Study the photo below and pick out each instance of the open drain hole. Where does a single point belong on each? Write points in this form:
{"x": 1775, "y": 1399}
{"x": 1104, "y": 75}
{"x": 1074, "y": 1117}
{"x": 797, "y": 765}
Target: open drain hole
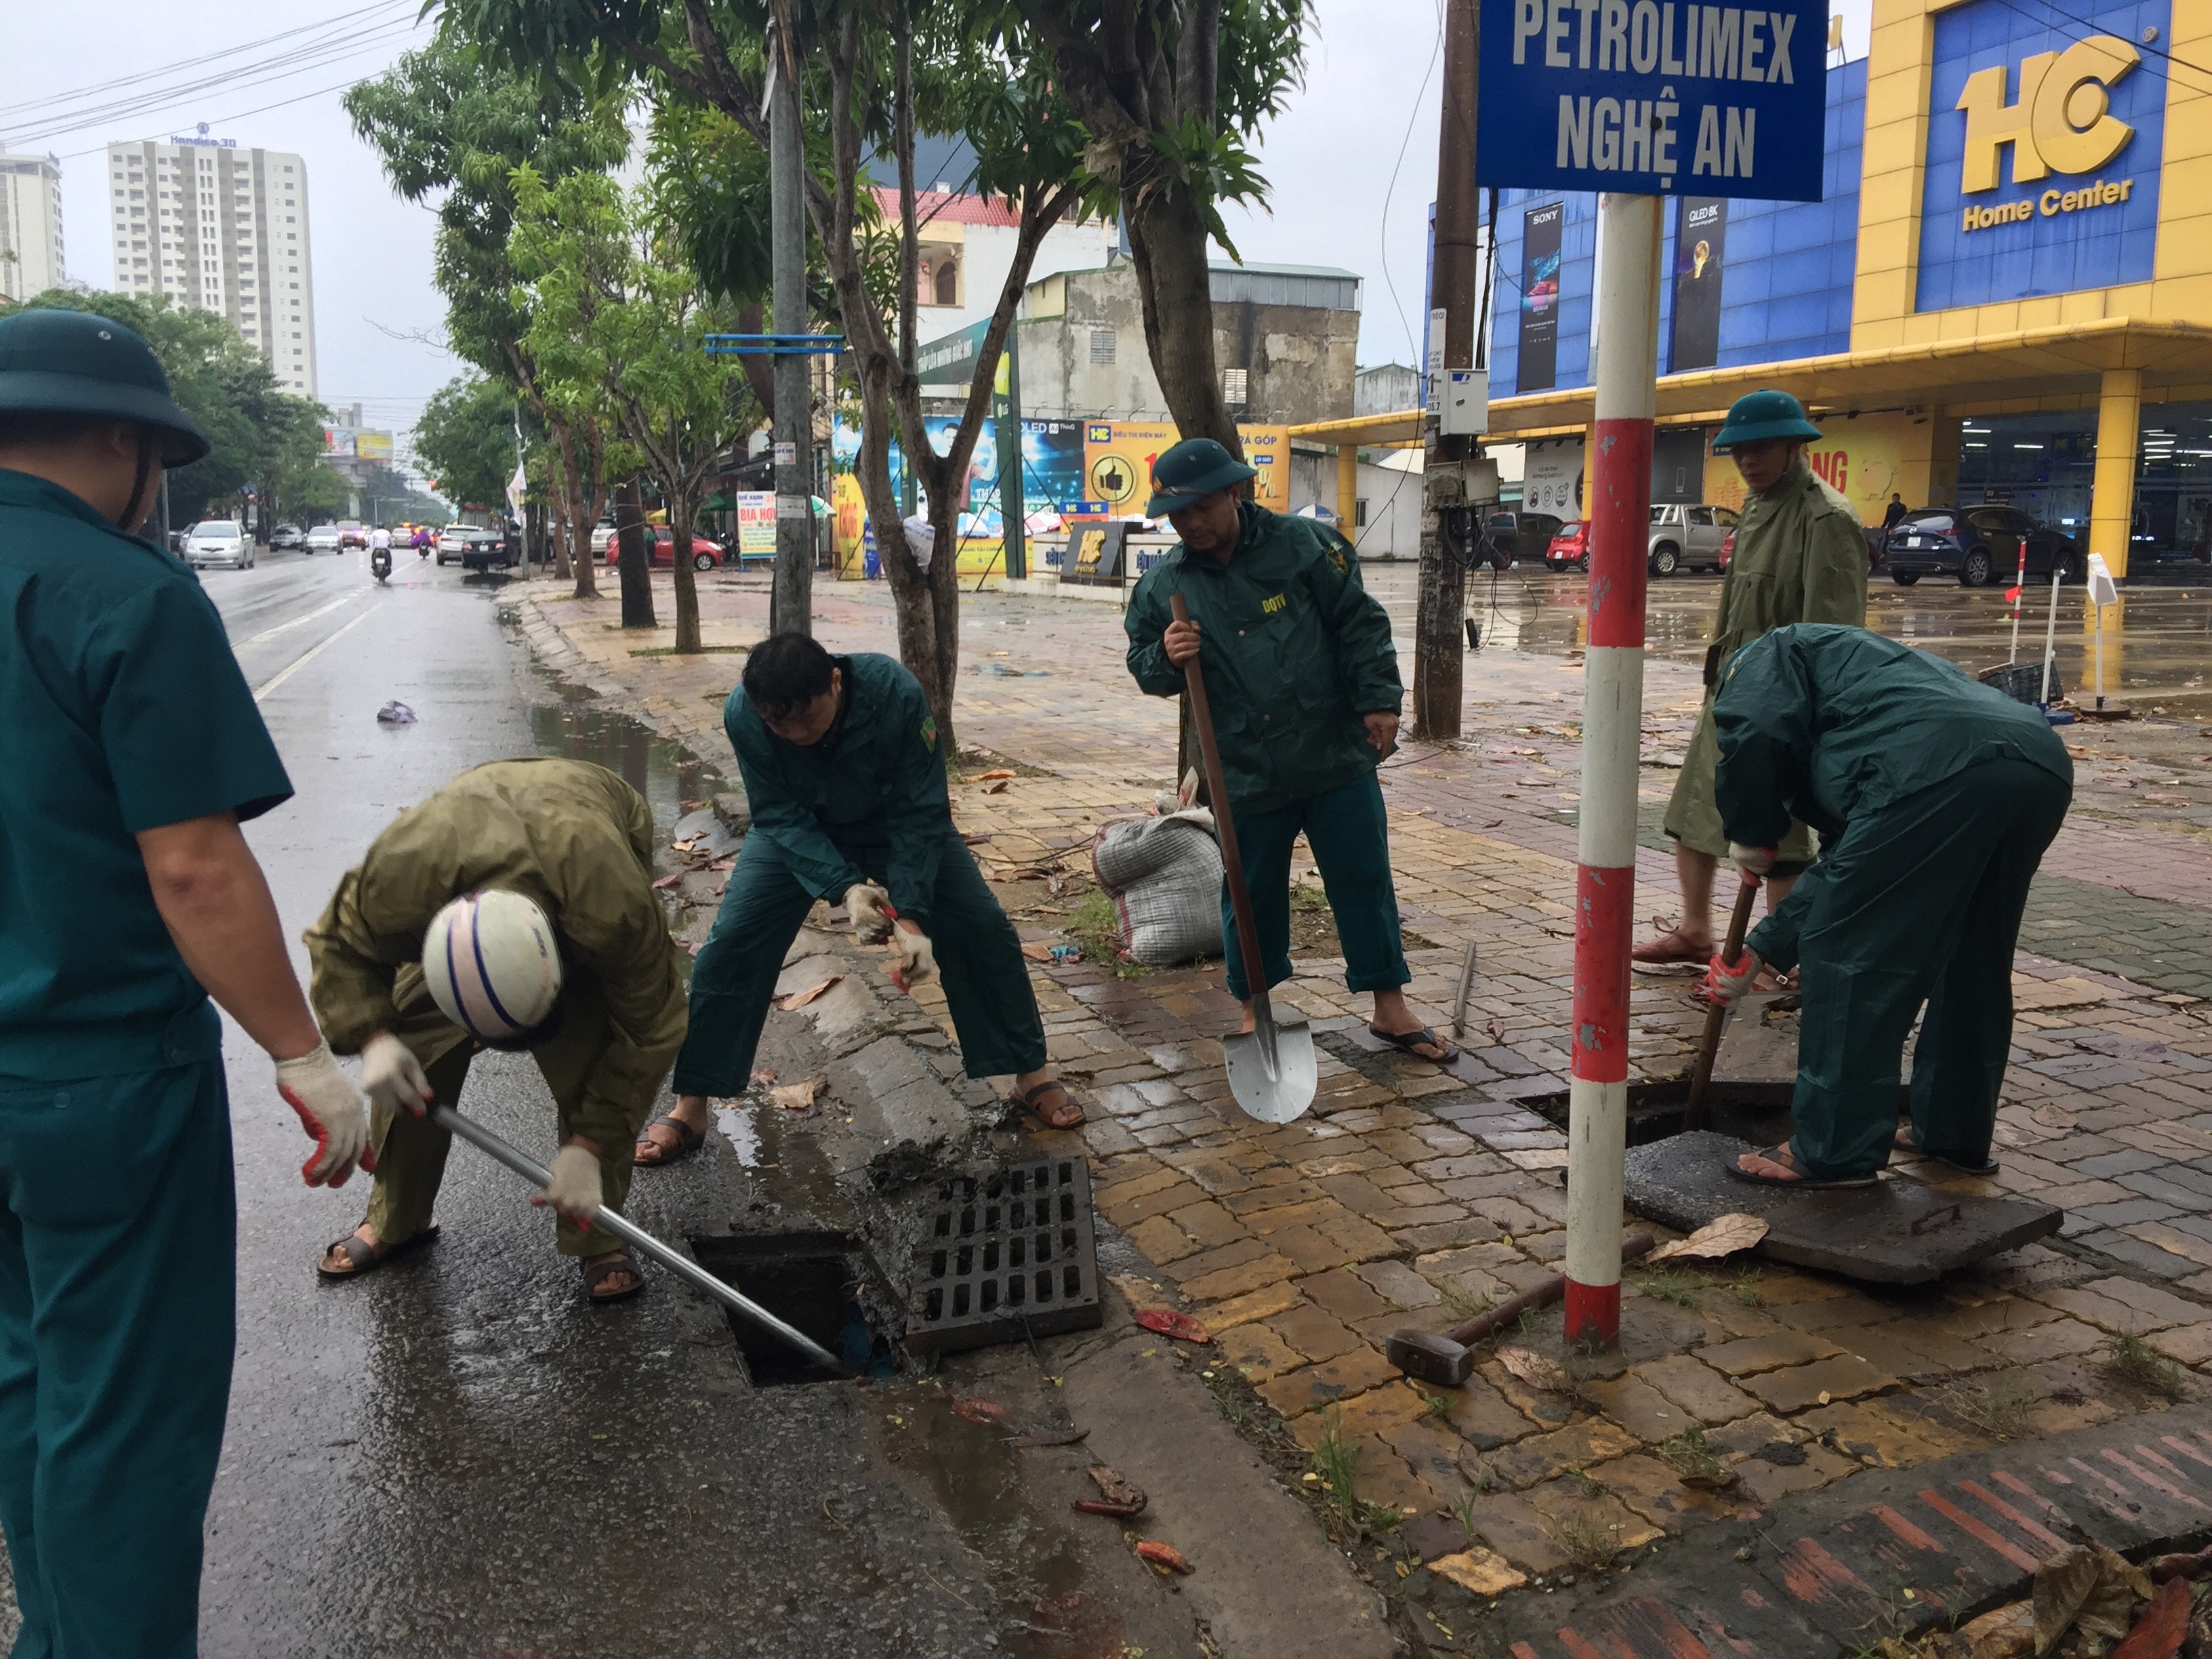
{"x": 811, "y": 1280}
{"x": 1757, "y": 1112}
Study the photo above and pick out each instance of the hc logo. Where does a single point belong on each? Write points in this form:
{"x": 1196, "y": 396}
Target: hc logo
{"x": 2062, "y": 121}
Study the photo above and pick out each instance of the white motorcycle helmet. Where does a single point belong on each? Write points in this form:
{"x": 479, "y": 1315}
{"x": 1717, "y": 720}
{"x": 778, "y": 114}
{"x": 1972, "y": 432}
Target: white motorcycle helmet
{"x": 494, "y": 965}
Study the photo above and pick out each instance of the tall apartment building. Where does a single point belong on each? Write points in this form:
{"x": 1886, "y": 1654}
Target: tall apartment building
{"x": 224, "y": 229}
{"x": 30, "y": 226}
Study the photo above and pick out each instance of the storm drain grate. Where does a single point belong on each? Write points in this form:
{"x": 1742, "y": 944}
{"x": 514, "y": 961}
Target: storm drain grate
{"x": 1003, "y": 1252}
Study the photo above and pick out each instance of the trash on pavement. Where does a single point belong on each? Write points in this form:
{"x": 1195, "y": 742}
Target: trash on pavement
{"x": 973, "y": 1408}
{"x": 1163, "y": 875}
{"x": 667, "y": 882}
{"x": 800, "y": 999}
{"x": 1121, "y": 1499}
{"x": 395, "y": 713}
{"x": 1723, "y": 1235}
{"x": 1067, "y": 953}
{"x": 797, "y": 1096}
{"x": 1168, "y": 1322}
{"x": 1166, "y": 1557}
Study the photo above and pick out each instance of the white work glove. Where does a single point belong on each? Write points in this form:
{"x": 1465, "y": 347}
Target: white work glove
{"x": 575, "y": 1189}
{"x": 391, "y": 1076}
{"x": 917, "y": 959}
{"x": 1725, "y": 981}
{"x": 331, "y": 1110}
{"x": 869, "y": 909}
{"x": 1752, "y": 861}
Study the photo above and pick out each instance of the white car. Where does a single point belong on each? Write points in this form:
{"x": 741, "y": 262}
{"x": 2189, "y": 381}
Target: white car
{"x": 601, "y": 535}
{"x": 322, "y": 539}
{"x": 452, "y": 542}
{"x": 219, "y": 540}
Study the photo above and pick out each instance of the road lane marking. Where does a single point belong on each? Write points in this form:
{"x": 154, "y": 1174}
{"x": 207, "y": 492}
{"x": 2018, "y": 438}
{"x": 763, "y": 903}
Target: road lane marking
{"x": 272, "y": 633}
{"x": 306, "y": 657}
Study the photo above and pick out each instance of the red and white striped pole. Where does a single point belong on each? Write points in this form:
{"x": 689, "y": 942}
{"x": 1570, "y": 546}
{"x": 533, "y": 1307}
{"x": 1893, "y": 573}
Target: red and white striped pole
{"x": 1620, "y": 512}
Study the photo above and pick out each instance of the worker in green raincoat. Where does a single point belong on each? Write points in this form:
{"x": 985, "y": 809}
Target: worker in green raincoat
{"x": 1935, "y": 797}
{"x": 1801, "y": 556}
{"x": 577, "y": 841}
{"x": 845, "y": 777}
{"x": 1302, "y": 680}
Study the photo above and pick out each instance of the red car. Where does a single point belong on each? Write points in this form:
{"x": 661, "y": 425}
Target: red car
{"x": 1570, "y": 548}
{"x": 705, "y": 554}
{"x": 1728, "y": 550}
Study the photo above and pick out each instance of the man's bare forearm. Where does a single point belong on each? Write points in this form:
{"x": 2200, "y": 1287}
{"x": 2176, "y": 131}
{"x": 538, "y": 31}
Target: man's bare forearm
{"x": 217, "y": 904}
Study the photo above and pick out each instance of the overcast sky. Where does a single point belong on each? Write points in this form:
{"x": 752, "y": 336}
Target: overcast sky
{"x": 1370, "y": 96}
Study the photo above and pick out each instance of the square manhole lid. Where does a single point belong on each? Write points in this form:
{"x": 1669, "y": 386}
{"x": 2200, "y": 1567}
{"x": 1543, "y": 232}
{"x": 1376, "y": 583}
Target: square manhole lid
{"x": 1003, "y": 1251}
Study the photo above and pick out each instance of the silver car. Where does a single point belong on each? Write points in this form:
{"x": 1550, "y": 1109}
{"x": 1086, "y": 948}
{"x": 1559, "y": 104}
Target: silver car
{"x": 1687, "y": 537}
{"x": 219, "y": 540}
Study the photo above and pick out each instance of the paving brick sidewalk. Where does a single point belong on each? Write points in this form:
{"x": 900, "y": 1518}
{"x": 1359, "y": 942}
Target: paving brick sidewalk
{"x": 1414, "y": 1195}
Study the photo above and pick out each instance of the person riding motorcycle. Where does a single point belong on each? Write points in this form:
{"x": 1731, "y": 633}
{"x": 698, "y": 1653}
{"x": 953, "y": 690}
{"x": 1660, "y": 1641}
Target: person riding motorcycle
{"x": 380, "y": 552}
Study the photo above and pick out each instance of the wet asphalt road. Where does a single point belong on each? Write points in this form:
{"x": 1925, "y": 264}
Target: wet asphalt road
{"x": 456, "y": 1455}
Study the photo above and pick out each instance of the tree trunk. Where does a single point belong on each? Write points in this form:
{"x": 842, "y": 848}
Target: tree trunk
{"x": 630, "y": 549}
{"x": 913, "y": 600}
{"x": 590, "y": 505}
{"x": 683, "y": 512}
{"x": 1167, "y": 240}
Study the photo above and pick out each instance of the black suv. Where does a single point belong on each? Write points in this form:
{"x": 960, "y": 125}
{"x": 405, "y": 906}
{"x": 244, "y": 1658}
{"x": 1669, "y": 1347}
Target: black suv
{"x": 1979, "y": 545}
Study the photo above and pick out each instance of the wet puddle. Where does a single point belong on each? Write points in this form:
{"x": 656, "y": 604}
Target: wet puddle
{"x": 571, "y": 721}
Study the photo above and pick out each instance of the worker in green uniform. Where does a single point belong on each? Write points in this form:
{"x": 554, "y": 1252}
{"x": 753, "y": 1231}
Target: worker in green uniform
{"x": 576, "y": 841}
{"x": 846, "y": 781}
{"x": 1800, "y": 557}
{"x": 130, "y": 751}
{"x": 1302, "y": 678}
{"x": 1935, "y": 797}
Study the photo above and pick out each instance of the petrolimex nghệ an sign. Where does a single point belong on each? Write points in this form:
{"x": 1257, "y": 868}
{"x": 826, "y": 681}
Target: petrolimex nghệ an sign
{"x": 2044, "y": 143}
{"x": 1654, "y": 97}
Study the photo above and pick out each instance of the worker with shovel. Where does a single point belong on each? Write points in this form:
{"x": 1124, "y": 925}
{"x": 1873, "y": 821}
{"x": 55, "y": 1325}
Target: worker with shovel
{"x": 564, "y": 849}
{"x": 846, "y": 780}
{"x": 1800, "y": 557}
{"x": 1935, "y": 797}
{"x": 1302, "y": 680}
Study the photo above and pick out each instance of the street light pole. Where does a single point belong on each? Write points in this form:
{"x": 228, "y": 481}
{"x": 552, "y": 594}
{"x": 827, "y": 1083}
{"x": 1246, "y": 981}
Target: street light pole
{"x": 791, "y": 603}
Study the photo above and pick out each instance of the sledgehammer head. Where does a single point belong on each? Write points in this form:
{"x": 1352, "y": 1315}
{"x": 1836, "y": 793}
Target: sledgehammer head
{"x": 1429, "y": 1357}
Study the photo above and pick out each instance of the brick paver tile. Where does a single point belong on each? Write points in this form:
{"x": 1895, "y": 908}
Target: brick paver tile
{"x": 1398, "y": 1284}
{"x": 1484, "y": 1418}
{"x": 1639, "y": 1407}
{"x": 1480, "y": 1571}
{"x": 1162, "y": 1241}
{"x": 1541, "y": 1457}
{"x": 1208, "y": 1225}
{"x": 2190, "y": 1344}
{"x": 1895, "y": 1435}
{"x": 2137, "y": 1314}
{"x": 1205, "y": 1262}
{"x": 1846, "y": 1376}
{"x": 1314, "y": 1332}
{"x": 1519, "y": 1531}
{"x": 1241, "y": 1280}
{"x": 2060, "y": 1337}
{"x": 1312, "y": 1386}
{"x": 1651, "y": 1489}
{"x": 1432, "y": 1451}
{"x": 1125, "y": 1208}
{"x": 1257, "y": 1351}
{"x": 1572, "y": 1501}
{"x": 1768, "y": 1481}
{"x": 1697, "y": 1388}
{"x": 1753, "y": 1355}
{"x": 1262, "y": 1303}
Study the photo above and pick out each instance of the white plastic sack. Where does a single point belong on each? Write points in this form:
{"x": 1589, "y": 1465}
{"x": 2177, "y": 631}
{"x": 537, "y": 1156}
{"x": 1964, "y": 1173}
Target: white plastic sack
{"x": 920, "y": 539}
{"x": 1163, "y": 875}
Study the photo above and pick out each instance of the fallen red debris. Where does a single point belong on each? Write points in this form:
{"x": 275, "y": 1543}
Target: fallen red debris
{"x": 1168, "y": 1322}
{"x": 976, "y": 1409}
{"x": 2159, "y": 1631}
{"x": 1167, "y": 1556}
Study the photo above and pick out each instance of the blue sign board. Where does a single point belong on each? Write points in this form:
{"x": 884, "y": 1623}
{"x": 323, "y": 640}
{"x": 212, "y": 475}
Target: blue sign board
{"x": 1653, "y": 97}
{"x": 2045, "y": 130}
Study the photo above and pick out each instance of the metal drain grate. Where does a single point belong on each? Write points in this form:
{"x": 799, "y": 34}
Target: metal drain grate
{"x": 1003, "y": 1252}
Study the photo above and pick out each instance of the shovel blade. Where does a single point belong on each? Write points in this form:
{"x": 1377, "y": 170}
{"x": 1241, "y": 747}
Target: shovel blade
{"x": 1277, "y": 1093}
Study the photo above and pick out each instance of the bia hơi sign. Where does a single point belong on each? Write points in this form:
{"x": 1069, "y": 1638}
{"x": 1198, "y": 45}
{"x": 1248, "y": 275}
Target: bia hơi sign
{"x": 2043, "y": 150}
{"x": 1653, "y": 96}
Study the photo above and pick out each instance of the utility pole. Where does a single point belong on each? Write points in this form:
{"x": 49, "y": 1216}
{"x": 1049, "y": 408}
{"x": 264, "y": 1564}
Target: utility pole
{"x": 790, "y": 604}
{"x": 1439, "y": 647}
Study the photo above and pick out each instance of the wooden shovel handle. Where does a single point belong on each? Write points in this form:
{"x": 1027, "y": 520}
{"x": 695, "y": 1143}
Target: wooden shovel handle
{"x": 1232, "y": 863}
{"x": 1695, "y": 1114}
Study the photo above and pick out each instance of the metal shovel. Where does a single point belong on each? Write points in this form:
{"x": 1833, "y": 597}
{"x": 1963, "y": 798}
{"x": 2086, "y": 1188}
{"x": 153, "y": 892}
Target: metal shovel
{"x": 635, "y": 1235}
{"x": 1272, "y": 1070}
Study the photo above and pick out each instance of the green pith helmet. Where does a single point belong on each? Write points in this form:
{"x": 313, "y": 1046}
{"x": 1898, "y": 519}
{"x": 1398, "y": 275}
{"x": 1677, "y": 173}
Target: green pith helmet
{"x": 71, "y": 362}
{"x": 1764, "y": 413}
{"x": 1190, "y": 471}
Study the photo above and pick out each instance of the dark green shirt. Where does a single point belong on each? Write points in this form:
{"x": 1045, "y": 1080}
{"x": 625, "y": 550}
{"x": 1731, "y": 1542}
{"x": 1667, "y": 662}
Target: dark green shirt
{"x": 121, "y": 709}
{"x": 1294, "y": 649}
{"x": 874, "y": 785}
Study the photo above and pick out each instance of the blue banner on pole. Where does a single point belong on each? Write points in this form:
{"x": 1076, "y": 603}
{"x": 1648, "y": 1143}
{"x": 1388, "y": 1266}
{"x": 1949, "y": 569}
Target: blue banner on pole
{"x": 1654, "y": 97}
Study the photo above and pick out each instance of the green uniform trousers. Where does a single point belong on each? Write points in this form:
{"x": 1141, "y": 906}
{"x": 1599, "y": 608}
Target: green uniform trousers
{"x": 118, "y": 1317}
{"x": 1920, "y": 902}
{"x": 987, "y": 979}
{"x": 1350, "y": 835}
{"x": 410, "y": 1151}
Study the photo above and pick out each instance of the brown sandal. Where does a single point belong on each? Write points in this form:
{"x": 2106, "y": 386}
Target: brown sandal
{"x": 366, "y": 1258}
{"x": 599, "y": 1269}
{"x": 1671, "y": 951}
{"x": 1065, "y": 1116}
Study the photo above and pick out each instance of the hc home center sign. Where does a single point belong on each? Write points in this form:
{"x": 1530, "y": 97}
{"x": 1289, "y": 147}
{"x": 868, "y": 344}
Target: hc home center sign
{"x": 1654, "y": 97}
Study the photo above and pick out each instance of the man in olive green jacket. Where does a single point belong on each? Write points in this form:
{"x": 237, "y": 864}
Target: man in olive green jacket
{"x": 1302, "y": 678}
{"x": 578, "y": 841}
{"x": 1800, "y": 557}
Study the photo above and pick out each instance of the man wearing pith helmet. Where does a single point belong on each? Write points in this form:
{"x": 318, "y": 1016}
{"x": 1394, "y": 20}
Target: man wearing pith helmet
{"x": 1800, "y": 557}
{"x": 513, "y": 909}
{"x": 130, "y": 752}
{"x": 1303, "y": 681}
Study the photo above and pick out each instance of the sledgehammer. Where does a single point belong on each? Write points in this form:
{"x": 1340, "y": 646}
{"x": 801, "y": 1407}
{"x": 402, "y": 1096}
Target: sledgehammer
{"x": 1447, "y": 1357}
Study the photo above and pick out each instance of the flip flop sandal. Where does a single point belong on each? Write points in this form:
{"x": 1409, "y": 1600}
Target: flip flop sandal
{"x": 1803, "y": 1183}
{"x": 688, "y": 1141}
{"x": 1907, "y": 1142}
{"x": 1668, "y": 953}
{"x": 1406, "y": 1041}
{"x": 366, "y": 1257}
{"x": 597, "y": 1271}
{"x": 1060, "y": 1118}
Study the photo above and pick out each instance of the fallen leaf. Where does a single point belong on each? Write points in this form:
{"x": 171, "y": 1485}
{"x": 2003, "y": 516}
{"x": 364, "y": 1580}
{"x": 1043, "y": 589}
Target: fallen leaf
{"x": 2007, "y": 1632}
{"x": 1546, "y": 1375}
{"x": 1722, "y": 1235}
{"x": 800, "y": 999}
{"x": 975, "y": 1409}
{"x": 684, "y": 846}
{"x": 1037, "y": 951}
{"x": 996, "y": 772}
{"x": 1168, "y": 1322}
{"x": 763, "y": 1074}
{"x": 1121, "y": 1496}
{"x": 998, "y": 788}
{"x": 723, "y": 864}
{"x": 2089, "y": 1588}
{"x": 667, "y": 882}
{"x": 797, "y": 1096}
{"x": 1166, "y": 1557}
{"x": 2159, "y": 1632}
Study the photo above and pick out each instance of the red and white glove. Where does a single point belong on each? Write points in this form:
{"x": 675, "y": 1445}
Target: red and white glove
{"x": 329, "y": 1108}
{"x": 575, "y": 1191}
{"x": 391, "y": 1076}
{"x": 1754, "y": 861}
{"x": 917, "y": 959}
{"x": 869, "y": 909}
{"x": 1725, "y": 981}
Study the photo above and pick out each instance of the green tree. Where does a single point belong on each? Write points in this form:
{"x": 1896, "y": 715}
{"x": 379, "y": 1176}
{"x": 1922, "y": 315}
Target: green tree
{"x": 319, "y": 496}
{"x": 465, "y": 438}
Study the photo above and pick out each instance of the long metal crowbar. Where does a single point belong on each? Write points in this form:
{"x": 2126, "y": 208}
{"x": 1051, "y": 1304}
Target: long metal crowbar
{"x": 633, "y": 1235}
